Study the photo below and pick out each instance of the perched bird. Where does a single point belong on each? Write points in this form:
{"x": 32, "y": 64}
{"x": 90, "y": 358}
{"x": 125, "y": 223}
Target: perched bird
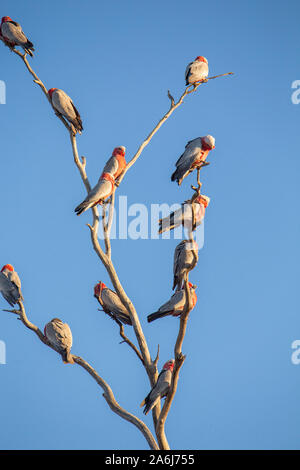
{"x": 63, "y": 104}
{"x": 117, "y": 163}
{"x": 196, "y": 71}
{"x": 185, "y": 259}
{"x": 186, "y": 215}
{"x": 111, "y": 303}
{"x": 175, "y": 306}
{"x": 13, "y": 35}
{"x": 10, "y": 285}
{"x": 160, "y": 389}
{"x": 103, "y": 189}
{"x": 193, "y": 157}
{"x": 60, "y": 336}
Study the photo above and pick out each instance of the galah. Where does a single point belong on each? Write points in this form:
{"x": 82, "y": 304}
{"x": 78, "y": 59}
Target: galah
{"x": 187, "y": 215}
{"x": 63, "y": 104}
{"x": 111, "y": 303}
{"x": 10, "y": 285}
{"x": 103, "y": 189}
{"x": 193, "y": 157}
{"x": 196, "y": 71}
{"x": 117, "y": 163}
{"x": 13, "y": 35}
{"x": 160, "y": 389}
{"x": 185, "y": 259}
{"x": 60, "y": 336}
{"x": 176, "y": 305}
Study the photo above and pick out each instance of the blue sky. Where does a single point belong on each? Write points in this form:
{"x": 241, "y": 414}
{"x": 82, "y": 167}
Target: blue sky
{"x": 238, "y": 387}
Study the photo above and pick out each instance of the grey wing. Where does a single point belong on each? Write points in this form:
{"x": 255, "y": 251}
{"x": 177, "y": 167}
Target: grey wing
{"x": 162, "y": 385}
{"x": 187, "y": 70}
{"x": 189, "y": 156}
{"x": 113, "y": 302}
{"x": 9, "y": 291}
{"x": 177, "y": 256}
{"x": 14, "y": 33}
{"x": 174, "y": 301}
{"x": 60, "y": 334}
{"x": 195, "y": 142}
{"x": 102, "y": 188}
{"x": 17, "y": 282}
{"x": 63, "y": 104}
{"x": 111, "y": 166}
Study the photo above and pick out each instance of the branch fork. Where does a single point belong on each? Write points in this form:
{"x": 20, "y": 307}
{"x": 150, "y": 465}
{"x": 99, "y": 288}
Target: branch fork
{"x": 159, "y": 415}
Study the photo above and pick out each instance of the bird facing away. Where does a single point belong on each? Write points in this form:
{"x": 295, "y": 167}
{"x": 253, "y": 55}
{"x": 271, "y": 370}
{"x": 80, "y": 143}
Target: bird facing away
{"x": 160, "y": 389}
{"x": 195, "y": 154}
{"x": 60, "y": 336}
{"x": 13, "y": 35}
{"x": 196, "y": 71}
{"x": 10, "y": 285}
{"x": 63, "y": 104}
{"x": 106, "y": 183}
{"x": 176, "y": 305}
{"x": 111, "y": 303}
{"x": 185, "y": 259}
{"x": 185, "y": 215}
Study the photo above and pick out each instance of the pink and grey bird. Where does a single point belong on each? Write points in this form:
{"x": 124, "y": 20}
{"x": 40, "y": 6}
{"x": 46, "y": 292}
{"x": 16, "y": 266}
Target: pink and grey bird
{"x": 63, "y": 104}
{"x": 13, "y": 35}
{"x": 175, "y": 306}
{"x": 103, "y": 189}
{"x": 160, "y": 389}
{"x": 106, "y": 183}
{"x": 196, "y": 71}
{"x": 10, "y": 285}
{"x": 195, "y": 154}
{"x": 59, "y": 335}
{"x": 186, "y": 215}
{"x": 116, "y": 163}
{"x": 111, "y": 303}
{"x": 185, "y": 259}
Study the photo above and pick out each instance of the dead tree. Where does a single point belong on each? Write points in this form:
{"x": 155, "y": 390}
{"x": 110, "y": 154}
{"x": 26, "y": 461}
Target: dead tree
{"x": 159, "y": 415}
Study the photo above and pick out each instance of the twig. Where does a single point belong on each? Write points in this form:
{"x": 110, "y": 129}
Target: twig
{"x": 188, "y": 90}
{"x": 108, "y": 394}
{"x": 122, "y": 334}
{"x": 114, "y": 406}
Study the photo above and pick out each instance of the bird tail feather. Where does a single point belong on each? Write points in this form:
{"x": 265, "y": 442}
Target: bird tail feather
{"x": 156, "y": 315}
{"x": 67, "y": 358}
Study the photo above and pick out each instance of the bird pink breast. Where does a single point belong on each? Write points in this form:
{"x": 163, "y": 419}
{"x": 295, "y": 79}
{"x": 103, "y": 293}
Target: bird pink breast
{"x": 108, "y": 177}
{"x": 122, "y": 164}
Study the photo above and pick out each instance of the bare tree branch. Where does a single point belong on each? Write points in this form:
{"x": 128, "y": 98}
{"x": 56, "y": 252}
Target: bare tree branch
{"x": 159, "y": 416}
{"x": 188, "y": 90}
{"x": 122, "y": 334}
{"x": 108, "y": 394}
{"x": 150, "y": 367}
{"x": 179, "y": 360}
